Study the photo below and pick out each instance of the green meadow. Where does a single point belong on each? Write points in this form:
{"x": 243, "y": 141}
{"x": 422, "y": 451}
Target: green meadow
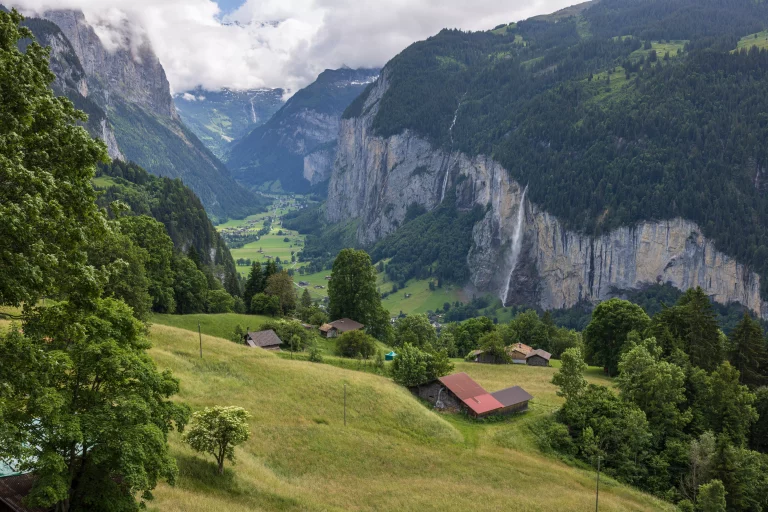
{"x": 395, "y": 453}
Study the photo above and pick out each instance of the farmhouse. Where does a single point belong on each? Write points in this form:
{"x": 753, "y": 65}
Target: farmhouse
{"x": 14, "y": 487}
{"x": 268, "y": 340}
{"x": 518, "y": 352}
{"x": 538, "y": 357}
{"x": 333, "y": 329}
{"x": 458, "y": 392}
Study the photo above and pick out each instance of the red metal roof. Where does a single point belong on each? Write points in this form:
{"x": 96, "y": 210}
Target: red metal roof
{"x": 482, "y": 403}
{"x": 462, "y": 385}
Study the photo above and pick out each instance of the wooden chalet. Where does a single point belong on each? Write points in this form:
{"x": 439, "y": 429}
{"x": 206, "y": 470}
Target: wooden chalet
{"x": 268, "y": 340}
{"x": 538, "y": 357}
{"x": 337, "y": 327}
{"x": 518, "y": 352}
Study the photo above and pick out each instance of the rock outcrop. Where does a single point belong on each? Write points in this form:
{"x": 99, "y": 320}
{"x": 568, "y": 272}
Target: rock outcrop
{"x": 519, "y": 252}
{"x": 131, "y": 71}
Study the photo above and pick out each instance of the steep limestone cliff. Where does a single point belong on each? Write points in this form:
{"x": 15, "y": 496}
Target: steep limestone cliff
{"x": 519, "y": 252}
{"x": 133, "y": 73}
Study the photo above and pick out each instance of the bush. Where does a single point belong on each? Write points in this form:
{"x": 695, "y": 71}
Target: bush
{"x": 414, "y": 367}
{"x": 352, "y": 343}
{"x": 219, "y": 301}
{"x": 263, "y": 304}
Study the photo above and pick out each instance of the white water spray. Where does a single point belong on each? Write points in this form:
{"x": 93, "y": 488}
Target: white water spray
{"x": 253, "y": 113}
{"x": 517, "y": 242}
{"x": 450, "y": 133}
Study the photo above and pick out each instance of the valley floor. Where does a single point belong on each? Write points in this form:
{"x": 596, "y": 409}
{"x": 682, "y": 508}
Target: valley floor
{"x": 394, "y": 453}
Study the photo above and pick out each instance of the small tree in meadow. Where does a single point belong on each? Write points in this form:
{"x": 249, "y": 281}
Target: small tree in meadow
{"x": 238, "y": 334}
{"x": 352, "y": 343}
{"x": 217, "y": 430}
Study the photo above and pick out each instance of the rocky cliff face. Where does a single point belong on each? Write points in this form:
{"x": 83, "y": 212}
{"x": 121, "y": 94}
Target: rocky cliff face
{"x": 297, "y": 145}
{"x": 519, "y": 252}
{"x": 125, "y": 92}
{"x": 133, "y": 72}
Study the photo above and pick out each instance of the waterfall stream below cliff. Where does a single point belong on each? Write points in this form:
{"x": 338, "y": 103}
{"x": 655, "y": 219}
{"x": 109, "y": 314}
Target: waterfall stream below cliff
{"x": 517, "y": 243}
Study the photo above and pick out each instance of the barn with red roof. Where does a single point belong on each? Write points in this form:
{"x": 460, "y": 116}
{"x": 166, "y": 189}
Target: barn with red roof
{"x": 458, "y": 392}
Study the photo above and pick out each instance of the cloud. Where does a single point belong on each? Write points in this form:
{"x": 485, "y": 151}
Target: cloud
{"x": 281, "y": 43}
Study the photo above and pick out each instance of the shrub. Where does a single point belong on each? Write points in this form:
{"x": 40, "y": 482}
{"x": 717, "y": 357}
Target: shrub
{"x": 352, "y": 343}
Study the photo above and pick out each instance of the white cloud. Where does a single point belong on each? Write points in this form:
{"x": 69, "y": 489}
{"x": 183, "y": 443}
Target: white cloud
{"x": 281, "y": 43}
{"x": 188, "y": 97}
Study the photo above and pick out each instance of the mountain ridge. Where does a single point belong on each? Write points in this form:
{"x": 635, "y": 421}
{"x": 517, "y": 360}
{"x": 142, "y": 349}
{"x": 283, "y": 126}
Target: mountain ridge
{"x": 127, "y": 96}
{"x": 297, "y": 145}
{"x": 442, "y": 120}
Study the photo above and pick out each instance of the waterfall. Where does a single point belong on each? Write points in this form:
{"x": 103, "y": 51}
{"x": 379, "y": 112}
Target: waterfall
{"x": 450, "y": 133}
{"x": 517, "y": 242}
{"x": 253, "y": 113}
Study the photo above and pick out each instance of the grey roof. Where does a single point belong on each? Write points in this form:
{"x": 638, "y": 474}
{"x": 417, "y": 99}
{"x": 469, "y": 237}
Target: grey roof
{"x": 541, "y": 353}
{"x": 512, "y": 396}
{"x": 263, "y": 339}
{"x": 345, "y": 324}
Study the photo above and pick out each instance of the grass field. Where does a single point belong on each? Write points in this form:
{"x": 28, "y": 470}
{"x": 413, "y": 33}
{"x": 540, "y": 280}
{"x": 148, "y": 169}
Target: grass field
{"x": 421, "y": 299}
{"x": 760, "y": 40}
{"x": 394, "y": 453}
{"x": 221, "y": 325}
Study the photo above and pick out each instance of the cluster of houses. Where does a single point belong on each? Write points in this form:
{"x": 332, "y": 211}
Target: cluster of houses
{"x": 519, "y": 352}
{"x": 459, "y": 393}
{"x": 269, "y": 340}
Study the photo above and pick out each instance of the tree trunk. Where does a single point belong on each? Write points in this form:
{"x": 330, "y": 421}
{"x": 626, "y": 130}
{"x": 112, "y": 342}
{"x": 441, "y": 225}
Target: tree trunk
{"x": 221, "y": 466}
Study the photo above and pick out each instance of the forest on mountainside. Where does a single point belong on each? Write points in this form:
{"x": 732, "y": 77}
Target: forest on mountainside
{"x": 173, "y": 204}
{"x": 627, "y": 111}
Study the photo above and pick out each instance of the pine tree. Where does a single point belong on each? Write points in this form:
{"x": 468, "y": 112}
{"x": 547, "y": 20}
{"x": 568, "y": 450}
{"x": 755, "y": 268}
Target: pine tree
{"x": 748, "y": 352}
{"x": 253, "y": 285}
{"x": 306, "y": 300}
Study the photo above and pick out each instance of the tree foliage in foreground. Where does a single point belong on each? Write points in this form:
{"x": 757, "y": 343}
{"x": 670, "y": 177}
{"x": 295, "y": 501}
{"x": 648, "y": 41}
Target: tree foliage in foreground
{"x": 82, "y": 405}
{"x": 45, "y": 225}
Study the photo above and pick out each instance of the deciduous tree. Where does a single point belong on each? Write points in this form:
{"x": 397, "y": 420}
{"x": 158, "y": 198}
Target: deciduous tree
{"x": 217, "y": 430}
{"x": 607, "y": 332}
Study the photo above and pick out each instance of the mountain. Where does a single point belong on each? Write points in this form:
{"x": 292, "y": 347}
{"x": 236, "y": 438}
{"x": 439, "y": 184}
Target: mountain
{"x": 173, "y": 204}
{"x": 221, "y": 118}
{"x": 297, "y": 146}
{"x": 127, "y": 96}
{"x": 612, "y": 146}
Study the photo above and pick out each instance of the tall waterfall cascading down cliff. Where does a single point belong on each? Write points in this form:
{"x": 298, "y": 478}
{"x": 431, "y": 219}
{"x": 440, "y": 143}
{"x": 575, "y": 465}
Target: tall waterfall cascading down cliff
{"x": 517, "y": 242}
{"x": 376, "y": 179}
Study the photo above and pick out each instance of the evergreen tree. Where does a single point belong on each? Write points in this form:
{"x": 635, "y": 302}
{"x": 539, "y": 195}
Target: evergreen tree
{"x": 253, "y": 285}
{"x": 748, "y": 352}
{"x": 352, "y": 292}
{"x": 306, "y": 300}
{"x": 703, "y": 341}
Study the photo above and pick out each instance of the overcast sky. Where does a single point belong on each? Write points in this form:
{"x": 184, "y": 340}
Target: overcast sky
{"x": 285, "y": 43}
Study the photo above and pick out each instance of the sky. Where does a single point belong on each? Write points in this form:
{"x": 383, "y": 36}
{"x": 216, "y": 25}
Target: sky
{"x": 248, "y": 44}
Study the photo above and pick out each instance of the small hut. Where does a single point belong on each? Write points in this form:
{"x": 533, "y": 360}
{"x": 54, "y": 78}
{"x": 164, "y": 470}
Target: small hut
{"x": 390, "y": 357}
{"x": 538, "y": 357}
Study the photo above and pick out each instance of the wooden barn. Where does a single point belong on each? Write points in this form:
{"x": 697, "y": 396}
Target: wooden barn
{"x": 268, "y": 340}
{"x": 538, "y": 357}
{"x": 458, "y": 392}
{"x": 338, "y": 327}
{"x": 514, "y": 399}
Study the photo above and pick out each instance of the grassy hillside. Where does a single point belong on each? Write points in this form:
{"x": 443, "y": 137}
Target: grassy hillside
{"x": 395, "y": 454}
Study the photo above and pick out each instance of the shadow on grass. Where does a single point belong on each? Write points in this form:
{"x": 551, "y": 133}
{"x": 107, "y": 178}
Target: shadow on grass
{"x": 200, "y": 475}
